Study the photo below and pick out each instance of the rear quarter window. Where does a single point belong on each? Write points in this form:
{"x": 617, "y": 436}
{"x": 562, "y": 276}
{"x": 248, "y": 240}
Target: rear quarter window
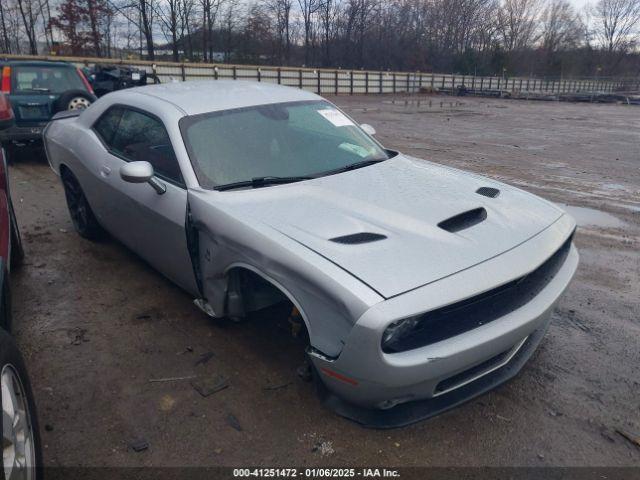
{"x": 107, "y": 125}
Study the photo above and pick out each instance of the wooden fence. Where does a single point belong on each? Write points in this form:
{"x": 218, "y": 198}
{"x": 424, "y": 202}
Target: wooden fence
{"x": 337, "y": 82}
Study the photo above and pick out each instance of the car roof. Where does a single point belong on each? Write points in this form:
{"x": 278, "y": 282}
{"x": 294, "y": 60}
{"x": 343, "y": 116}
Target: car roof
{"x": 196, "y": 97}
{"x": 35, "y": 63}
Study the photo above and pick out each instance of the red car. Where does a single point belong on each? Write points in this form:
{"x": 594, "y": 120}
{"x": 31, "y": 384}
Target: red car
{"x": 21, "y": 454}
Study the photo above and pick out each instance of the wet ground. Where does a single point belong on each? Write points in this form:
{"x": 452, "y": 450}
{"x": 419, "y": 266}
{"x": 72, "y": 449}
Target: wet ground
{"x": 113, "y": 347}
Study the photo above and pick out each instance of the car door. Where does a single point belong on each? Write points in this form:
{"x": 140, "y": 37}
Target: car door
{"x": 150, "y": 223}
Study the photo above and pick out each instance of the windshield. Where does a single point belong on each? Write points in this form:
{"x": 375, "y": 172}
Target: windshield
{"x": 49, "y": 79}
{"x": 297, "y": 139}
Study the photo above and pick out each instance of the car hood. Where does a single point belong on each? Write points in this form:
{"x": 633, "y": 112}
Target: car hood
{"x": 403, "y": 202}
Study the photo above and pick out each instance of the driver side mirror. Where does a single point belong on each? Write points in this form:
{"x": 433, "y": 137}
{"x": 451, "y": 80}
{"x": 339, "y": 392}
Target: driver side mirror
{"x": 141, "y": 172}
{"x": 368, "y": 129}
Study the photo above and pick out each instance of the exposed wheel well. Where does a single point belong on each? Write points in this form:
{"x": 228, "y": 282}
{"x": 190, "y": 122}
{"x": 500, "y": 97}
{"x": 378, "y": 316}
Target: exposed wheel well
{"x": 250, "y": 291}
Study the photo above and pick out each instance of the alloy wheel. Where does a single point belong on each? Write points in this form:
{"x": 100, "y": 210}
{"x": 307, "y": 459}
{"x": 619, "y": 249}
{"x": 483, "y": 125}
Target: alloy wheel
{"x": 76, "y": 202}
{"x": 18, "y": 445}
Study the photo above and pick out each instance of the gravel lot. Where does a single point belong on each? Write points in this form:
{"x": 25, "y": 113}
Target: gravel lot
{"x": 97, "y": 324}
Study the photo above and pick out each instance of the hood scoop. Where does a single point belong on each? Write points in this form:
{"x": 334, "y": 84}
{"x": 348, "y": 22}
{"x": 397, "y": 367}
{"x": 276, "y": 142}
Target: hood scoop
{"x": 488, "y": 192}
{"x": 464, "y": 220}
{"x": 358, "y": 238}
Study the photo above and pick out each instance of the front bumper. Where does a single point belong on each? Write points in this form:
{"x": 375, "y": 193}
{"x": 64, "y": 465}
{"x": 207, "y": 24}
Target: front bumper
{"x": 21, "y": 134}
{"x": 390, "y": 390}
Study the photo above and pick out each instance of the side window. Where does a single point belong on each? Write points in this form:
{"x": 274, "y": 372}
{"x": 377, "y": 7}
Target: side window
{"x": 142, "y": 137}
{"x": 107, "y": 125}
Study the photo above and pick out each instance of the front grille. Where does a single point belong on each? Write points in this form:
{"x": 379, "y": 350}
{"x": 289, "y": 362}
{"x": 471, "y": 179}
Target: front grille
{"x": 461, "y": 317}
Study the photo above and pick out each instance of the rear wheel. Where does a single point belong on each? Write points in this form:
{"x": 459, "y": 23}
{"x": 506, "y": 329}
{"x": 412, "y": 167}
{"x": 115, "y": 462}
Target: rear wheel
{"x": 84, "y": 221}
{"x": 21, "y": 452}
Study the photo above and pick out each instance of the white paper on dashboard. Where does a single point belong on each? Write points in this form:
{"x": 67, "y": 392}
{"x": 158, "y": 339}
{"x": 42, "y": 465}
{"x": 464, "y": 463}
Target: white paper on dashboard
{"x": 337, "y": 118}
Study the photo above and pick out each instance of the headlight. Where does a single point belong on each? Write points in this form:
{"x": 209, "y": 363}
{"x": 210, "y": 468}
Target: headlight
{"x": 397, "y": 331}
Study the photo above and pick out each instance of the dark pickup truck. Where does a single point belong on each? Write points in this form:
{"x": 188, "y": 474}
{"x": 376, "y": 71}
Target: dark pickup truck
{"x": 37, "y": 90}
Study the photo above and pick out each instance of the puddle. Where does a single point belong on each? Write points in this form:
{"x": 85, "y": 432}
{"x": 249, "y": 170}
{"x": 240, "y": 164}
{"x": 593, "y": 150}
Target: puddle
{"x": 589, "y": 216}
{"x": 614, "y": 186}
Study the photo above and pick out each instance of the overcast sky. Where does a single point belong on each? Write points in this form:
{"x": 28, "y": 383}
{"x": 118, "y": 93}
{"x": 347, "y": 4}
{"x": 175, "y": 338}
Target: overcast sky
{"x": 580, "y": 3}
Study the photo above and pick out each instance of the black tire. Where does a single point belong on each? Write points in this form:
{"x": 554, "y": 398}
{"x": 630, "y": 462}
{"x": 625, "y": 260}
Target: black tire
{"x": 84, "y": 221}
{"x": 17, "y": 251}
{"x": 9, "y": 152}
{"x": 5, "y": 302}
{"x": 67, "y": 98}
{"x": 12, "y": 368}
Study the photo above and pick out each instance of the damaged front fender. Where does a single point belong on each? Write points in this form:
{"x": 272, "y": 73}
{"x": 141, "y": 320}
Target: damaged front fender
{"x": 224, "y": 243}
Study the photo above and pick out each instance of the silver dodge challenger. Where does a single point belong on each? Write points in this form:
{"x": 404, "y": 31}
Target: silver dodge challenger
{"x": 417, "y": 286}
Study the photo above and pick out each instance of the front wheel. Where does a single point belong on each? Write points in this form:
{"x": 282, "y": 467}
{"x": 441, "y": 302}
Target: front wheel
{"x": 84, "y": 221}
{"x": 21, "y": 447}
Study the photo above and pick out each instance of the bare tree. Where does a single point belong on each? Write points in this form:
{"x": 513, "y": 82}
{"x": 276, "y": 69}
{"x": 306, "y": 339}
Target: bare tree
{"x": 45, "y": 15}
{"x": 280, "y": 10}
{"x": 186, "y": 13}
{"x": 307, "y": 9}
{"x": 140, "y": 14}
{"x": 616, "y": 23}
{"x": 97, "y": 13}
{"x": 210, "y": 10}
{"x": 6, "y": 43}
{"x": 561, "y": 27}
{"x": 229, "y": 27}
{"x": 169, "y": 14}
{"x": 517, "y": 23}
{"x": 145, "y": 9}
{"x": 543, "y": 37}
{"x": 328, "y": 12}
{"x": 29, "y": 12}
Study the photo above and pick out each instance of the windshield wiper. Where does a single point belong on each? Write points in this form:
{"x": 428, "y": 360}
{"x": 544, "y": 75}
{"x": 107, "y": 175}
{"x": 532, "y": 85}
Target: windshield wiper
{"x": 258, "y": 182}
{"x": 353, "y": 166}
{"x": 37, "y": 89}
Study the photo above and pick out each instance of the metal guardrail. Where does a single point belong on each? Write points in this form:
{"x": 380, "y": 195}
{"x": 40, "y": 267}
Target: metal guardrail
{"x": 328, "y": 81}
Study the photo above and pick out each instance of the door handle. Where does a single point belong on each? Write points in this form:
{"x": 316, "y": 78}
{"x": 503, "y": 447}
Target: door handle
{"x": 105, "y": 171}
